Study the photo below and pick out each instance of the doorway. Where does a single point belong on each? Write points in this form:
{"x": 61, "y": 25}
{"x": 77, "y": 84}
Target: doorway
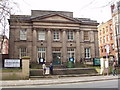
{"x": 56, "y": 58}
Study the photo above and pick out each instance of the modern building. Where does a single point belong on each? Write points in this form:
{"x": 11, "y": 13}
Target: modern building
{"x": 106, "y": 38}
{"x": 115, "y": 10}
{"x": 55, "y": 36}
{"x": 3, "y": 44}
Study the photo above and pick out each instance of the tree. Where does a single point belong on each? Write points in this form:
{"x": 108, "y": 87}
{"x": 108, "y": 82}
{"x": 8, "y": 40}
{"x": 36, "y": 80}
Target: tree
{"x": 6, "y": 9}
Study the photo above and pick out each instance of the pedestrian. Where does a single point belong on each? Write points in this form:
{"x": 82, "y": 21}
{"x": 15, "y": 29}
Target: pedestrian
{"x": 51, "y": 68}
{"x": 44, "y": 68}
{"x": 114, "y": 71}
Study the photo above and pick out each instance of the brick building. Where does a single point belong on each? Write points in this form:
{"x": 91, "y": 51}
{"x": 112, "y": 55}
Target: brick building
{"x": 53, "y": 35}
{"x": 3, "y": 44}
{"x": 115, "y": 11}
{"x": 106, "y": 37}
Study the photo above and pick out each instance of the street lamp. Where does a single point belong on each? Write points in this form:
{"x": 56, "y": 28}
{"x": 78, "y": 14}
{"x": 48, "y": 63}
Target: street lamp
{"x": 117, "y": 42}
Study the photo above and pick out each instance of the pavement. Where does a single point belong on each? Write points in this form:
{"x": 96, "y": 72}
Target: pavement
{"x": 56, "y": 80}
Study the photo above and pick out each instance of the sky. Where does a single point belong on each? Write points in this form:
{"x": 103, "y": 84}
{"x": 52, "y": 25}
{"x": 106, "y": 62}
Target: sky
{"x": 94, "y": 9}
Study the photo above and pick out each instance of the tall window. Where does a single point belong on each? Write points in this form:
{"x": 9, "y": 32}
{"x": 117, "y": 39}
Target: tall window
{"x": 87, "y": 53}
{"x": 104, "y": 39}
{"x": 41, "y": 35}
{"x": 103, "y": 30}
{"x": 22, "y": 52}
{"x": 86, "y": 36}
{"x": 23, "y": 34}
{"x": 112, "y": 46}
{"x": 56, "y": 35}
{"x": 70, "y": 35}
{"x": 111, "y": 36}
{"x": 71, "y": 53}
{"x": 41, "y": 54}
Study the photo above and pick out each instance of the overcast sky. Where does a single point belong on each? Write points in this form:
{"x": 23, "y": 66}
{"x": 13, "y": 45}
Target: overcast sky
{"x": 95, "y": 9}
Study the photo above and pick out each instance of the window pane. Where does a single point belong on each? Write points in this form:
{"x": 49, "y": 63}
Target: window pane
{"x": 23, "y": 34}
{"x": 86, "y": 37}
{"x": 41, "y": 35}
{"x": 87, "y": 53}
{"x": 70, "y": 35}
{"x": 56, "y": 35}
{"x": 22, "y": 52}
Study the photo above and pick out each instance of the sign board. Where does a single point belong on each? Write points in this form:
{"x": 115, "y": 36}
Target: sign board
{"x": 96, "y": 61}
{"x": 12, "y": 63}
{"x": 71, "y": 59}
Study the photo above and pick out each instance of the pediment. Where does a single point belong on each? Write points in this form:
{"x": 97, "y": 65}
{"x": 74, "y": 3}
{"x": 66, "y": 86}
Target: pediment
{"x": 55, "y": 17}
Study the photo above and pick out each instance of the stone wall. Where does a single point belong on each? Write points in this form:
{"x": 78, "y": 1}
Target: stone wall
{"x": 23, "y": 74}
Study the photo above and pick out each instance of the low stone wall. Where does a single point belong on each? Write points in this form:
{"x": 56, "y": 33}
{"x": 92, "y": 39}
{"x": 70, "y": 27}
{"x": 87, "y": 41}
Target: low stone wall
{"x": 66, "y": 71}
{"x": 13, "y": 76}
{"x": 24, "y": 74}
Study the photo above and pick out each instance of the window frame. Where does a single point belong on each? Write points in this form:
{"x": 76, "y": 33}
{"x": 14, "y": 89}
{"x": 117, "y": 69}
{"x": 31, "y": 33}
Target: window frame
{"x": 22, "y": 52}
{"x": 70, "y": 35}
{"x": 86, "y": 35}
{"x": 88, "y": 53}
{"x": 56, "y": 35}
{"x": 23, "y": 34}
{"x": 41, "y": 35}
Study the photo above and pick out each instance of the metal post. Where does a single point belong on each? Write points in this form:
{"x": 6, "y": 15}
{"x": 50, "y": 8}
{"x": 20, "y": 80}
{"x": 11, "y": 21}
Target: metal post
{"x": 117, "y": 43}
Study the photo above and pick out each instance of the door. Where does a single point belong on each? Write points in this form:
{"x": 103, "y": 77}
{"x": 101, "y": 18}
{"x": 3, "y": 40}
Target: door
{"x": 56, "y": 58}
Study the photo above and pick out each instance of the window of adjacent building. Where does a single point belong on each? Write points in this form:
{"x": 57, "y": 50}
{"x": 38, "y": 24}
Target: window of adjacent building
{"x": 112, "y": 46}
{"x": 111, "y": 36}
{"x": 103, "y": 31}
{"x": 41, "y": 35}
{"x": 107, "y": 38}
{"x": 102, "y": 49}
{"x": 106, "y": 28}
{"x": 104, "y": 39}
{"x": 56, "y": 35}
{"x": 70, "y": 35}
{"x": 22, "y": 52}
{"x": 41, "y": 54}
{"x": 87, "y": 53}
{"x": 100, "y": 32}
{"x": 23, "y": 34}
{"x": 110, "y": 27}
{"x": 71, "y": 53}
{"x": 100, "y": 40}
{"x": 86, "y": 35}
{"x": 105, "y": 48}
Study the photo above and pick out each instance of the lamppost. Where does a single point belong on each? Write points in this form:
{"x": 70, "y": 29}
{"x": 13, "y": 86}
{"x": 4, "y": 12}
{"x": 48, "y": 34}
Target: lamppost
{"x": 117, "y": 42}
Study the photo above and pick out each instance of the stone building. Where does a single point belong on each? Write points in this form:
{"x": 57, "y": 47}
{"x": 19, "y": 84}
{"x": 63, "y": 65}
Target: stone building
{"x": 54, "y": 36}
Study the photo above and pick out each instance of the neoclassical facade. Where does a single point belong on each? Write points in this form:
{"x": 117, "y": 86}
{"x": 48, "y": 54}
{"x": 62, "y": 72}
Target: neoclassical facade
{"x": 54, "y": 36}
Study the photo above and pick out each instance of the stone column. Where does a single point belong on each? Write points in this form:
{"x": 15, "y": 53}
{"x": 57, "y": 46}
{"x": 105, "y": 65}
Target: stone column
{"x": 77, "y": 46}
{"x": 34, "y": 51}
{"x": 82, "y": 36}
{"x": 49, "y": 46}
{"x": 64, "y": 46}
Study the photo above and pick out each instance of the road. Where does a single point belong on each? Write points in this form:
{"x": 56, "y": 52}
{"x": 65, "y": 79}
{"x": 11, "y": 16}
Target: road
{"x": 93, "y": 84}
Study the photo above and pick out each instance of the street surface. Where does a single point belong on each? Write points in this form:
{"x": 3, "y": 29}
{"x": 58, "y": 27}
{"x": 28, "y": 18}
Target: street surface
{"x": 93, "y": 84}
